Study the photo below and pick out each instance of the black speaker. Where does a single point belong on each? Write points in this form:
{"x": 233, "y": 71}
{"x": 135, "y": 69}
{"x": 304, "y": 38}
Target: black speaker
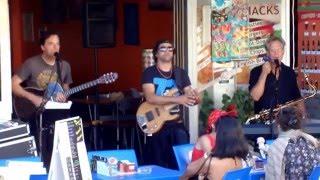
{"x": 131, "y": 24}
{"x": 99, "y": 29}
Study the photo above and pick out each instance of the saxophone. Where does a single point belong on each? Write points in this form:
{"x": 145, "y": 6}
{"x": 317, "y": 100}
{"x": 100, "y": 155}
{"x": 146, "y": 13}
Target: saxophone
{"x": 264, "y": 114}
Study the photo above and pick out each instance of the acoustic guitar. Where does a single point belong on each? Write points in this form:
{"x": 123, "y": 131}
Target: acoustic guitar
{"x": 26, "y": 109}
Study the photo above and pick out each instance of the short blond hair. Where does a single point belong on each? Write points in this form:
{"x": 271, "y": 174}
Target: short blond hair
{"x": 273, "y": 39}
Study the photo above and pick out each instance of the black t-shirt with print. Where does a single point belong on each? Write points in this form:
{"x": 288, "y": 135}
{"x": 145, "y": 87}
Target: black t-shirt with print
{"x": 165, "y": 81}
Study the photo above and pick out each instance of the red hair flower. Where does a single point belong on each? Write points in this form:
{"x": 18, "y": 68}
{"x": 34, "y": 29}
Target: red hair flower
{"x": 215, "y": 115}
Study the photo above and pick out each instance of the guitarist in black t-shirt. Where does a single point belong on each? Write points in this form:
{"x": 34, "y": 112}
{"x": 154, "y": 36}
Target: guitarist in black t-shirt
{"x": 157, "y": 80}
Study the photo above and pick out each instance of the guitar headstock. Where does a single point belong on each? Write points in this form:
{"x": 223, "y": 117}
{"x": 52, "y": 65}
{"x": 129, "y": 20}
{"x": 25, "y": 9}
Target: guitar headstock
{"x": 108, "y": 78}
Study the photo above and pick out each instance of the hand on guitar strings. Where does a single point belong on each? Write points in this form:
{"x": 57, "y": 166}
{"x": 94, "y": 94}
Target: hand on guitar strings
{"x": 189, "y": 99}
{"x": 60, "y": 97}
{"x": 194, "y": 96}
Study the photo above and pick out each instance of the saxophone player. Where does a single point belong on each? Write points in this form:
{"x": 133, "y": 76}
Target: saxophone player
{"x": 273, "y": 83}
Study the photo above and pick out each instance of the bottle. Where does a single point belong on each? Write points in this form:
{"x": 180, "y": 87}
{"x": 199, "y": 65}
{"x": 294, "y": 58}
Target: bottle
{"x": 262, "y": 147}
{"x": 313, "y": 45}
{"x": 306, "y": 24}
{"x": 313, "y": 26}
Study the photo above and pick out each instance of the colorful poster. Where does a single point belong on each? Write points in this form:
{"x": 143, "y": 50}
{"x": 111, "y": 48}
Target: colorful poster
{"x": 264, "y": 20}
{"x": 229, "y": 30}
{"x": 240, "y": 29}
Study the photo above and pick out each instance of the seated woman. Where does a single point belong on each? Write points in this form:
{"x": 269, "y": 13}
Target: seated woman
{"x": 231, "y": 147}
{"x": 206, "y": 142}
{"x": 294, "y": 153}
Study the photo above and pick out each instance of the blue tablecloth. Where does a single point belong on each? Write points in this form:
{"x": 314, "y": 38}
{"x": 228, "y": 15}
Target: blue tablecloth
{"x": 157, "y": 172}
{"x": 3, "y": 162}
{"x": 257, "y": 175}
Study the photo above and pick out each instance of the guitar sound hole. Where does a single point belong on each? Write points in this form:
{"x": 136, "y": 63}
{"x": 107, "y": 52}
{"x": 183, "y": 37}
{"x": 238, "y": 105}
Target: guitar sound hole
{"x": 149, "y": 116}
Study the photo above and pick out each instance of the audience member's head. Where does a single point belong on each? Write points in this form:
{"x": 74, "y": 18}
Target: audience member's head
{"x": 217, "y": 114}
{"x": 230, "y": 140}
{"x": 290, "y": 118}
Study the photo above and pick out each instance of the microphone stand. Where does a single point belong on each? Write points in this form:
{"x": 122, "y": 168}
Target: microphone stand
{"x": 274, "y": 101}
{"x": 45, "y": 99}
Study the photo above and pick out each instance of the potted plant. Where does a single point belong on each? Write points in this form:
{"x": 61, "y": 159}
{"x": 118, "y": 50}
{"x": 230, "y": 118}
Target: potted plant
{"x": 205, "y": 109}
{"x": 243, "y": 102}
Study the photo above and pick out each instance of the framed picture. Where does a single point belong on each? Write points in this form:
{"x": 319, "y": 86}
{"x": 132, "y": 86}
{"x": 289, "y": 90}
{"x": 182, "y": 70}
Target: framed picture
{"x": 28, "y": 31}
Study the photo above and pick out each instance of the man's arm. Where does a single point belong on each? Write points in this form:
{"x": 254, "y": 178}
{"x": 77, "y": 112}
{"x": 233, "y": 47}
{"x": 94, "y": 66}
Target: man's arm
{"x": 258, "y": 89}
{"x": 151, "y": 97}
{"x": 19, "y": 91}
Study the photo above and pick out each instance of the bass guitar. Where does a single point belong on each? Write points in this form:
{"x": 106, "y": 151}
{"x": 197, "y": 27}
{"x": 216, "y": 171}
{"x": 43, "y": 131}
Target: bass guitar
{"x": 151, "y": 118}
{"x": 25, "y": 108}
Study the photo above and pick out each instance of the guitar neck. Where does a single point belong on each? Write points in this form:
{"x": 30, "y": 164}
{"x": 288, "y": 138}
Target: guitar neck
{"x": 80, "y": 88}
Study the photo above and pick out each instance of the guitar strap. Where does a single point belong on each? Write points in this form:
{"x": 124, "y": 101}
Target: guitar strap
{"x": 58, "y": 62}
{"x": 44, "y": 97}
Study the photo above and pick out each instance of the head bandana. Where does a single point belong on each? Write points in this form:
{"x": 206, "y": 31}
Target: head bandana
{"x": 215, "y": 115}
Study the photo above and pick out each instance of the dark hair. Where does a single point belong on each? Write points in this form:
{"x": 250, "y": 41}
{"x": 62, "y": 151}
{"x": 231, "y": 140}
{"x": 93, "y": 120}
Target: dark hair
{"x": 230, "y": 140}
{"x": 45, "y": 35}
{"x": 156, "y": 48}
{"x": 272, "y": 39}
{"x": 290, "y": 118}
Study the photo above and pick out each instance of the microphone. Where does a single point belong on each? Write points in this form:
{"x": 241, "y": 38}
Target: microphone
{"x": 58, "y": 60}
{"x": 276, "y": 61}
{"x": 266, "y": 58}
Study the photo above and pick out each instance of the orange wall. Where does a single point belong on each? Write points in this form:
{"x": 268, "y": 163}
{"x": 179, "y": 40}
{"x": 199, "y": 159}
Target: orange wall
{"x": 124, "y": 59}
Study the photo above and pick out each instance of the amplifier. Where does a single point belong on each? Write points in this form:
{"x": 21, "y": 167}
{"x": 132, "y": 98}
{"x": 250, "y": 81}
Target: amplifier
{"x": 13, "y": 129}
{"x": 18, "y": 148}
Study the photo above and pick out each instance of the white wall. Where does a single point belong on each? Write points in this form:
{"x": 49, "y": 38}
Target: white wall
{"x": 192, "y": 68}
{"x": 5, "y": 57}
